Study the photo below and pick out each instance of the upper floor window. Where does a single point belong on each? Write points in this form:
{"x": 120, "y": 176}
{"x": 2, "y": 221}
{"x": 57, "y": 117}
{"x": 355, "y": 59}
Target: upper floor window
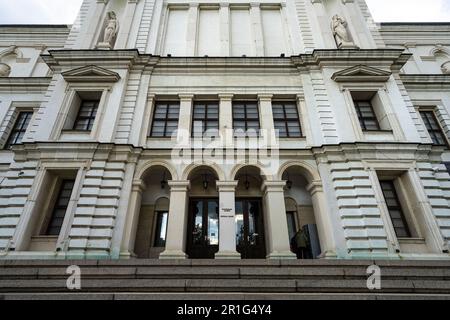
{"x": 205, "y": 119}
{"x": 246, "y": 118}
{"x": 19, "y": 129}
{"x": 165, "y": 119}
{"x": 286, "y": 119}
{"x": 86, "y": 115}
{"x": 366, "y": 115}
{"x": 395, "y": 209}
{"x": 59, "y": 210}
{"x": 82, "y": 112}
{"x": 433, "y": 127}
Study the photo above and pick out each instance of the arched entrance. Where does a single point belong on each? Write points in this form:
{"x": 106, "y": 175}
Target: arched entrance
{"x": 203, "y": 214}
{"x": 249, "y": 216}
{"x": 308, "y": 226}
{"x": 151, "y": 229}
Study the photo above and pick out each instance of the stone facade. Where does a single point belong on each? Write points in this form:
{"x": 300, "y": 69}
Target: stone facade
{"x": 131, "y": 55}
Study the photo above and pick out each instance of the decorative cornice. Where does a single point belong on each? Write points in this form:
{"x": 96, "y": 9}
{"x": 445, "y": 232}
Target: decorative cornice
{"x": 22, "y": 84}
{"x": 435, "y": 81}
{"x": 59, "y": 60}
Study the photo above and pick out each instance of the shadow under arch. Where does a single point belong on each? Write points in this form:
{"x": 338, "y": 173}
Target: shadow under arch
{"x": 192, "y": 168}
{"x": 143, "y": 170}
{"x": 307, "y": 170}
{"x": 263, "y": 173}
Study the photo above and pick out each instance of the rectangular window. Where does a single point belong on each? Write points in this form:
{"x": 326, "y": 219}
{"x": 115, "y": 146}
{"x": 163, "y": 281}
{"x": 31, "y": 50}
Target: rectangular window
{"x": 395, "y": 209}
{"x": 433, "y": 127}
{"x": 165, "y": 119}
{"x": 60, "y": 208}
{"x": 366, "y": 115}
{"x": 286, "y": 119}
{"x": 19, "y": 129}
{"x": 246, "y": 118}
{"x": 161, "y": 229}
{"x": 86, "y": 115}
{"x": 205, "y": 119}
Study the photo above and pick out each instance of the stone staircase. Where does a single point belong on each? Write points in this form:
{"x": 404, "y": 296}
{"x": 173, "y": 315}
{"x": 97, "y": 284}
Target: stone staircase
{"x": 224, "y": 279}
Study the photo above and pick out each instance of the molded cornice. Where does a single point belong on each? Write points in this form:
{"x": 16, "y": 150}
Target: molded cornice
{"x": 28, "y": 84}
{"x": 59, "y": 60}
{"x": 426, "y": 81}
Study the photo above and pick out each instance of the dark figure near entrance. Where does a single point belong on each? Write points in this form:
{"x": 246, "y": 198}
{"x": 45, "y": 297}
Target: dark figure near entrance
{"x": 300, "y": 245}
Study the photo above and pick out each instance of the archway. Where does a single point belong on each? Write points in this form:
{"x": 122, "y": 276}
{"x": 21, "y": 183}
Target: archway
{"x": 147, "y": 212}
{"x": 310, "y": 231}
{"x": 249, "y": 213}
{"x": 300, "y": 215}
{"x": 203, "y": 214}
{"x": 153, "y": 214}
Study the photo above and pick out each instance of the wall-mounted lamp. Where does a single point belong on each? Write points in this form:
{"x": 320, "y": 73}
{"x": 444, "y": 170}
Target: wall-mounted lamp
{"x": 205, "y": 182}
{"x": 288, "y": 182}
{"x": 247, "y": 183}
{"x": 164, "y": 181}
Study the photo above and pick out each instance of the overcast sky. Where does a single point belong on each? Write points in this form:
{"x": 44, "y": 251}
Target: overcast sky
{"x": 64, "y": 11}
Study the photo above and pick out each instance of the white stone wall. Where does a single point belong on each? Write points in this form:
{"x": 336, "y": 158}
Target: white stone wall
{"x": 341, "y": 161}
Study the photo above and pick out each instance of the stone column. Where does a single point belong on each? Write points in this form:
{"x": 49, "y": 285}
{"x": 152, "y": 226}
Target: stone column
{"x": 266, "y": 118}
{"x": 255, "y": 16}
{"x": 191, "y": 32}
{"x": 277, "y": 227}
{"x": 131, "y": 223}
{"x": 324, "y": 227}
{"x": 227, "y": 220}
{"x": 185, "y": 121}
{"x": 177, "y": 223}
{"x": 225, "y": 29}
{"x": 226, "y": 119}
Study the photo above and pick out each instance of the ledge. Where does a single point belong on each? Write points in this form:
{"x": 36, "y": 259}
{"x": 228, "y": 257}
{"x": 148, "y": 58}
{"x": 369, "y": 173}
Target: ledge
{"x": 426, "y": 81}
{"x": 24, "y": 84}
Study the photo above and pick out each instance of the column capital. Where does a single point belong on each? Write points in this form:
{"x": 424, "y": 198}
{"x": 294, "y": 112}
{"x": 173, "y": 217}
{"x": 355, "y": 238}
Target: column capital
{"x": 179, "y": 186}
{"x": 276, "y": 186}
{"x": 265, "y": 97}
{"x": 138, "y": 186}
{"x": 186, "y": 97}
{"x": 314, "y": 187}
{"x": 223, "y": 186}
{"x": 226, "y": 96}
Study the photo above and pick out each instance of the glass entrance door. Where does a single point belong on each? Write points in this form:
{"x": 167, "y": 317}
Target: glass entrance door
{"x": 250, "y": 229}
{"x": 203, "y": 228}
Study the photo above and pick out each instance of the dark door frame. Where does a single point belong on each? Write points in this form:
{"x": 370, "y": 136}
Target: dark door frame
{"x": 249, "y": 251}
{"x": 202, "y": 250}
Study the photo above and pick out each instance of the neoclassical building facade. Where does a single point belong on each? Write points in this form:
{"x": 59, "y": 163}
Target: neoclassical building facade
{"x": 182, "y": 129}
